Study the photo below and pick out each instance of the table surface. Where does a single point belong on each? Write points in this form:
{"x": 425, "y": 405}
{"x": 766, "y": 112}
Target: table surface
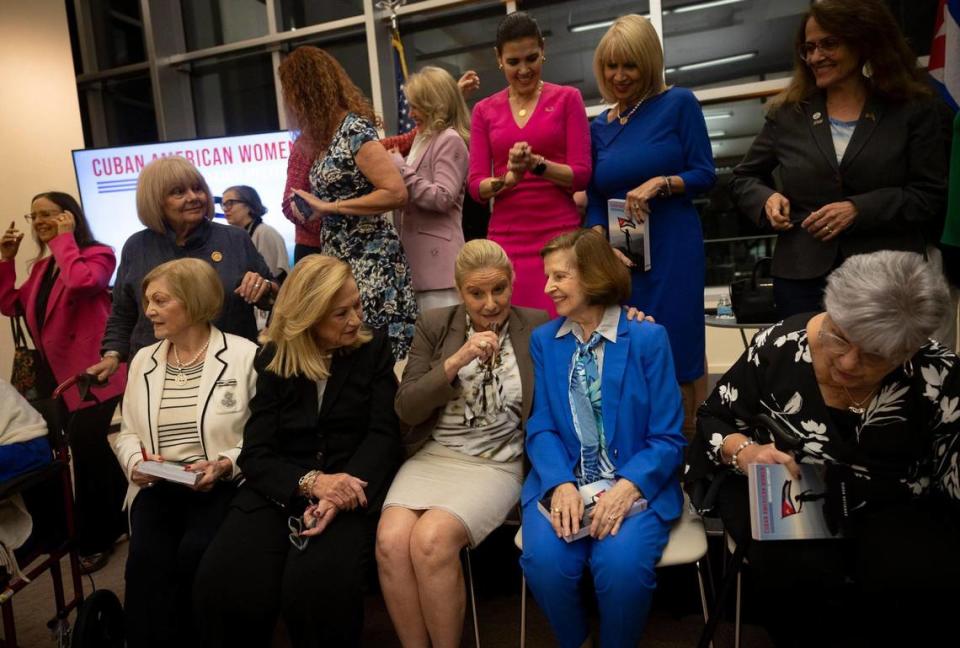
{"x": 730, "y": 323}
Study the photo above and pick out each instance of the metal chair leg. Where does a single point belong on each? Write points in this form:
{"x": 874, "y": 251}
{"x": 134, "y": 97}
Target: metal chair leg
{"x": 473, "y": 601}
{"x": 523, "y": 611}
{"x": 703, "y": 596}
{"x": 736, "y": 620}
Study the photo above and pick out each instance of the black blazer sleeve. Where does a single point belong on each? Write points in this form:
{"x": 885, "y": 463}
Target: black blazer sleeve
{"x": 922, "y": 194}
{"x": 753, "y": 182}
{"x": 377, "y": 456}
{"x": 267, "y": 465}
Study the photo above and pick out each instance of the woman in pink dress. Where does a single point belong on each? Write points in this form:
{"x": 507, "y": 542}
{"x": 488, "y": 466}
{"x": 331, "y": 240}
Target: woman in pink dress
{"x": 530, "y": 151}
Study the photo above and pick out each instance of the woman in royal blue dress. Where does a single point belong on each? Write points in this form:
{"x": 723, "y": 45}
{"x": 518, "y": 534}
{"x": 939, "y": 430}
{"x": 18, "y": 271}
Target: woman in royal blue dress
{"x": 652, "y": 150}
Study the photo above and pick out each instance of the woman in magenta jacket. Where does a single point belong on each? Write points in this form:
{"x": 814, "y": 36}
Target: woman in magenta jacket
{"x": 65, "y": 302}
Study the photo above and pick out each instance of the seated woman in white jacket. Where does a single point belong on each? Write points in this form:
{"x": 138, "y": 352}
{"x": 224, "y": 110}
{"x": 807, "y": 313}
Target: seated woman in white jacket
{"x": 186, "y": 401}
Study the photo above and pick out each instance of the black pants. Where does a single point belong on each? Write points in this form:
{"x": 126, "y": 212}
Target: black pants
{"x": 894, "y": 581}
{"x": 795, "y": 296}
{"x": 300, "y": 250}
{"x": 99, "y": 483}
{"x": 170, "y": 529}
{"x": 252, "y": 574}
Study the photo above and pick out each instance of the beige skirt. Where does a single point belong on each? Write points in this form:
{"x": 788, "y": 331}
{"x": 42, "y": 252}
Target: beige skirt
{"x": 477, "y": 491}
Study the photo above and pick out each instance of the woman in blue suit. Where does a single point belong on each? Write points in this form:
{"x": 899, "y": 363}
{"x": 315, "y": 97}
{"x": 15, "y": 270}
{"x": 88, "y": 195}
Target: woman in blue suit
{"x": 606, "y": 406}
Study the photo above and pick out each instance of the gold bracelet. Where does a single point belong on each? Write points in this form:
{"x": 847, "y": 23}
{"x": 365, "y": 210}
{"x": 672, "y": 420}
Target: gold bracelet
{"x": 305, "y": 483}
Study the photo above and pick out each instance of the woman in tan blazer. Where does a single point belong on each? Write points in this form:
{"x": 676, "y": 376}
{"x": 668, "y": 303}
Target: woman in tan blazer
{"x": 466, "y": 393}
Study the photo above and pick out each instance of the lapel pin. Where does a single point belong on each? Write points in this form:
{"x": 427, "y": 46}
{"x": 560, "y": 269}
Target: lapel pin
{"x": 217, "y": 256}
{"x": 870, "y": 116}
{"x": 817, "y": 115}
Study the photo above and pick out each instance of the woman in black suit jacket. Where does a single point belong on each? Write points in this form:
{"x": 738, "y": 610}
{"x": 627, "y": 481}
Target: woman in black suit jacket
{"x": 320, "y": 449}
{"x": 855, "y": 142}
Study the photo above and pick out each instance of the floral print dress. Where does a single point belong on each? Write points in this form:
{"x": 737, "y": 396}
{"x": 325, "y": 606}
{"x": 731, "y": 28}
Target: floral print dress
{"x": 368, "y": 243}
{"x": 905, "y": 444}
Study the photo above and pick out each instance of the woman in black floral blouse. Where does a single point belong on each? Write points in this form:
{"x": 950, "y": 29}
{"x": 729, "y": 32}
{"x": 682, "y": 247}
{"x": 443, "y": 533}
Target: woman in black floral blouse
{"x": 865, "y": 393}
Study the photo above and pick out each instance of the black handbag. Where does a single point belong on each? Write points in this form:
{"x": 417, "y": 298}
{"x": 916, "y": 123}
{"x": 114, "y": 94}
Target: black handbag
{"x": 752, "y": 299}
{"x": 26, "y": 361}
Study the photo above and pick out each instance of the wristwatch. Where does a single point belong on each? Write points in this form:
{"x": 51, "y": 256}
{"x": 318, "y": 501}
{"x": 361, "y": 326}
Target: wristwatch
{"x": 111, "y": 354}
{"x": 540, "y": 168}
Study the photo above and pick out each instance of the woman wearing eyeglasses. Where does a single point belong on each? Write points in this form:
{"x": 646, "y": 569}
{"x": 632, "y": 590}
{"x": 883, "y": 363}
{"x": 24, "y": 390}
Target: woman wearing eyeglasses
{"x": 319, "y": 451}
{"x": 855, "y": 142}
{"x": 65, "y": 301}
{"x": 242, "y": 208}
{"x": 861, "y": 390}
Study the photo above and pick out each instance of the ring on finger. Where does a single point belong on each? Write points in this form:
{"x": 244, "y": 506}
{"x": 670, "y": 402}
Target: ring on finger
{"x": 828, "y": 228}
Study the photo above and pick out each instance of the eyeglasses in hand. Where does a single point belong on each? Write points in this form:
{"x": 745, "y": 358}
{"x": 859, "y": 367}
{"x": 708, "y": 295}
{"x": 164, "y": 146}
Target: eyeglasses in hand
{"x": 296, "y": 527}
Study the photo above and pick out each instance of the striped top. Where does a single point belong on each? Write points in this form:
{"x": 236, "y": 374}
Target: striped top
{"x": 179, "y": 438}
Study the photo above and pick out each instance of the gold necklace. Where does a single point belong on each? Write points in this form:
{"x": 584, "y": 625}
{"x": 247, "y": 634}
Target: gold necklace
{"x": 536, "y": 94}
{"x": 181, "y": 378}
{"x": 858, "y": 407}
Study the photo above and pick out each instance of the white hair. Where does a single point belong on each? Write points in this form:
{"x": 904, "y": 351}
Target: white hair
{"x": 887, "y": 302}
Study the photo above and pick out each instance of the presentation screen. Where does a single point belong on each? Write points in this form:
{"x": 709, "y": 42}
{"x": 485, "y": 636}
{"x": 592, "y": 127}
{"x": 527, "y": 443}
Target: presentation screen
{"x": 107, "y": 178}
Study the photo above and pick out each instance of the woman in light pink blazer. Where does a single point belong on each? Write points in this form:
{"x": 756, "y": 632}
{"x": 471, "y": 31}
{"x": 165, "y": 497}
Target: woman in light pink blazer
{"x": 65, "y": 302}
{"x": 435, "y": 173}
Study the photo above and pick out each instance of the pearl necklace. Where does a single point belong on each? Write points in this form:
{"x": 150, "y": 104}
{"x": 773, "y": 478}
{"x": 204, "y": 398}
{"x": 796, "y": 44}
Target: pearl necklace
{"x": 523, "y": 111}
{"x": 181, "y": 378}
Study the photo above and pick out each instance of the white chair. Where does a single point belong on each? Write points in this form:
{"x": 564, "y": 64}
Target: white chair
{"x": 687, "y": 544}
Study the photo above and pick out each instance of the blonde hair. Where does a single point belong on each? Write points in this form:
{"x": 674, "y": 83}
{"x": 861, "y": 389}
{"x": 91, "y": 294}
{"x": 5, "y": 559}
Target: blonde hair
{"x": 193, "y": 283}
{"x": 631, "y": 39}
{"x": 156, "y": 181}
{"x": 477, "y": 255}
{"x": 435, "y": 93}
{"x": 305, "y": 299}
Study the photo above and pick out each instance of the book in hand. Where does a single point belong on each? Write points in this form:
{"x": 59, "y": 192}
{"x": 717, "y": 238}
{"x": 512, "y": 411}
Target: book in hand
{"x": 783, "y": 508}
{"x": 627, "y": 234}
{"x": 170, "y": 471}
{"x": 591, "y": 494}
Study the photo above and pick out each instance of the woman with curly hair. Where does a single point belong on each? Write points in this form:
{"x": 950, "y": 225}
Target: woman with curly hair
{"x": 353, "y": 182}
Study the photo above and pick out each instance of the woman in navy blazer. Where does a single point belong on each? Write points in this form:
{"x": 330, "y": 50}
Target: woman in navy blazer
{"x": 435, "y": 173}
{"x": 625, "y": 427}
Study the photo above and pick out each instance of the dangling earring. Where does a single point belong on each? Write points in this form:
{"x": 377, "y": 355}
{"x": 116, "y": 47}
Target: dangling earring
{"x": 867, "y": 70}
{"x": 499, "y": 66}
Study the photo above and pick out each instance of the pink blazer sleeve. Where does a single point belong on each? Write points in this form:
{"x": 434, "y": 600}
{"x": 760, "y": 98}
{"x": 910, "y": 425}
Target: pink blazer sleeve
{"x": 578, "y": 139}
{"x": 86, "y": 271}
{"x": 448, "y": 156}
{"x": 9, "y": 296}
{"x": 480, "y": 156}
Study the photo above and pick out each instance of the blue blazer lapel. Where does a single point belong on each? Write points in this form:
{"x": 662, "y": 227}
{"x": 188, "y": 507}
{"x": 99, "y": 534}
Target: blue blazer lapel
{"x": 611, "y": 381}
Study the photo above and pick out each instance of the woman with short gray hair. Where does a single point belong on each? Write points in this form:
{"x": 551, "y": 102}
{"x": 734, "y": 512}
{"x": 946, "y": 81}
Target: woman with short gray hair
{"x": 862, "y": 390}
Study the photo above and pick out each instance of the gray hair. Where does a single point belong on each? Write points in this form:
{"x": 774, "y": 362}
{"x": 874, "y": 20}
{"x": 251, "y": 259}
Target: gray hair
{"x": 887, "y": 302}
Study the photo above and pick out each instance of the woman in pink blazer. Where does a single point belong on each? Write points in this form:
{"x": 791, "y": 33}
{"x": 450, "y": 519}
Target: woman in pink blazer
{"x": 65, "y": 301}
{"x": 435, "y": 172}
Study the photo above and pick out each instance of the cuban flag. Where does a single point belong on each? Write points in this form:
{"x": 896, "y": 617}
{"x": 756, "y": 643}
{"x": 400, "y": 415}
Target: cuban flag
{"x": 404, "y": 121}
{"x": 944, "y": 64}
